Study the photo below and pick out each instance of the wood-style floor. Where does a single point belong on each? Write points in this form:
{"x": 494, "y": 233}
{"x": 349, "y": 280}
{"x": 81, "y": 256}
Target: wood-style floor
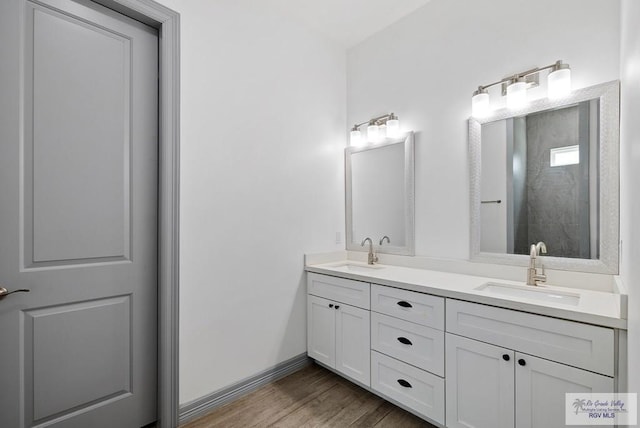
{"x": 311, "y": 397}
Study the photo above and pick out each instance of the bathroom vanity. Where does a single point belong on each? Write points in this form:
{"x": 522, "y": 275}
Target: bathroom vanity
{"x": 461, "y": 350}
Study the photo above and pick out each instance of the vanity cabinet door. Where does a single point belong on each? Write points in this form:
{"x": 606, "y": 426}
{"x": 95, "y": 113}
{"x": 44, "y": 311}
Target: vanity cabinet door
{"x": 352, "y": 343}
{"x": 479, "y": 384}
{"x": 321, "y": 330}
{"x": 541, "y": 386}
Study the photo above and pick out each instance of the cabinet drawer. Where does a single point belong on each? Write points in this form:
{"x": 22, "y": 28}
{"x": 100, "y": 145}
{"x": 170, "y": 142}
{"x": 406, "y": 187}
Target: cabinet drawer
{"x": 342, "y": 290}
{"x": 408, "y": 305}
{"x": 415, "y": 344}
{"x": 416, "y": 389}
{"x": 580, "y": 345}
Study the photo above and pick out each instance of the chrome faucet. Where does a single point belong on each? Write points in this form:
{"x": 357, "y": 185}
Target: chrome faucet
{"x": 371, "y": 258}
{"x": 383, "y": 238}
{"x": 533, "y": 278}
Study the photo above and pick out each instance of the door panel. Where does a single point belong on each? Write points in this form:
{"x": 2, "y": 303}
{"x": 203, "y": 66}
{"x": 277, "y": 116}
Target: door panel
{"x": 352, "y": 343}
{"x": 479, "y": 384}
{"x": 78, "y": 216}
{"x": 78, "y": 116}
{"x": 97, "y": 334}
{"x": 321, "y": 330}
{"x": 541, "y": 386}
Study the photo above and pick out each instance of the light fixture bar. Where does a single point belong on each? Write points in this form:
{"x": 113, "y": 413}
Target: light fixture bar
{"x": 515, "y": 87}
{"x": 525, "y": 75}
{"x": 380, "y": 120}
{"x": 389, "y": 121}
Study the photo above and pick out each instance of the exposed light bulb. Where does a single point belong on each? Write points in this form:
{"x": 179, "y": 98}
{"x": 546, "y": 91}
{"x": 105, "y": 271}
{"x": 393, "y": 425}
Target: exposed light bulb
{"x": 480, "y": 103}
{"x": 559, "y": 81}
{"x": 517, "y": 94}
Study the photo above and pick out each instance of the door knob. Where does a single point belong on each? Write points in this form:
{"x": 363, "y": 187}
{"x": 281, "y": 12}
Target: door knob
{"x": 4, "y": 292}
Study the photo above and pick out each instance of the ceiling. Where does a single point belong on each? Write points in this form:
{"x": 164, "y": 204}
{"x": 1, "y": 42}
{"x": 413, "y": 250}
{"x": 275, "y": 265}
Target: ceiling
{"x": 348, "y": 22}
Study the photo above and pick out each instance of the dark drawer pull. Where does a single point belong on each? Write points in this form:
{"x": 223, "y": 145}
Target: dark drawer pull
{"x": 522, "y": 362}
{"x": 506, "y": 357}
{"x": 404, "y": 383}
{"x": 404, "y": 340}
{"x": 405, "y": 304}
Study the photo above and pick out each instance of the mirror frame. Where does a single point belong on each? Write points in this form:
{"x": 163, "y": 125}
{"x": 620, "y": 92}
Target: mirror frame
{"x": 409, "y": 197}
{"x": 609, "y": 173}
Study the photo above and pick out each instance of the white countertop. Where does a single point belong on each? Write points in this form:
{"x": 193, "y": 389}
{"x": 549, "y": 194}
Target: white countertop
{"x": 594, "y": 307}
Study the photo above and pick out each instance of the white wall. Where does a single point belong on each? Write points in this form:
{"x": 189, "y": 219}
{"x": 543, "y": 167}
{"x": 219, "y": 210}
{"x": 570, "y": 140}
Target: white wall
{"x": 263, "y": 120}
{"x": 425, "y": 68}
{"x": 630, "y": 176}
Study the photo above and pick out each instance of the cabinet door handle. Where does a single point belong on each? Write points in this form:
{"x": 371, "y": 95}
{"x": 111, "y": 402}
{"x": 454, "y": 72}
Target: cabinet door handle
{"x": 405, "y": 304}
{"x": 404, "y": 383}
{"x": 522, "y": 362}
{"x": 331, "y": 305}
{"x": 506, "y": 357}
{"x": 337, "y": 306}
{"x": 404, "y": 340}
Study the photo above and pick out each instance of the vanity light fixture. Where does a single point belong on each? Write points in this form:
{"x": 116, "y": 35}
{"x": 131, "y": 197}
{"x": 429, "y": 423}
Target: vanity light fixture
{"x": 559, "y": 80}
{"x": 373, "y": 132}
{"x": 480, "y": 103}
{"x": 393, "y": 126}
{"x": 378, "y": 127}
{"x": 355, "y": 138}
{"x": 515, "y": 87}
{"x": 517, "y": 93}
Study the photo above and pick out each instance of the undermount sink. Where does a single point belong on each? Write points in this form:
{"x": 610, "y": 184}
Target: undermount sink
{"x": 541, "y": 293}
{"x": 356, "y": 267}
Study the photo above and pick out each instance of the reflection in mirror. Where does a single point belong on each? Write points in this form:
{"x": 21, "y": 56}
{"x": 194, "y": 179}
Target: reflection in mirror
{"x": 548, "y": 172}
{"x": 379, "y": 194}
{"x": 377, "y": 183}
{"x": 539, "y": 182}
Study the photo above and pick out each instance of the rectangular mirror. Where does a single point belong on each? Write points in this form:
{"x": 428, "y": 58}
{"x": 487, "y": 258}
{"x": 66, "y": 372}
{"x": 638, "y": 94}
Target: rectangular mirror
{"x": 380, "y": 195}
{"x": 548, "y": 173}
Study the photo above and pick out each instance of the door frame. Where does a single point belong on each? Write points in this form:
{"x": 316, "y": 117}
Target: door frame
{"x": 167, "y": 22}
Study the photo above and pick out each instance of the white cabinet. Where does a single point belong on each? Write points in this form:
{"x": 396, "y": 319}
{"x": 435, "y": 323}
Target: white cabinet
{"x": 541, "y": 386}
{"x": 469, "y": 366}
{"x": 321, "y": 330}
{"x": 480, "y": 384}
{"x": 337, "y": 333}
{"x": 354, "y": 293}
{"x": 415, "y": 344}
{"x": 418, "y": 308}
{"x": 417, "y": 389}
{"x": 352, "y": 343}
{"x": 585, "y": 346}
{"x": 485, "y": 381}
{"x": 492, "y": 367}
{"x": 407, "y": 357}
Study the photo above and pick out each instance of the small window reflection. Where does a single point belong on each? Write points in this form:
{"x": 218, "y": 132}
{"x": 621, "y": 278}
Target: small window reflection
{"x": 569, "y": 155}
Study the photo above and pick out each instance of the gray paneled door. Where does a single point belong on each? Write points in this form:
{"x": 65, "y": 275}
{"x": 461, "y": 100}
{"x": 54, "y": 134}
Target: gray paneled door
{"x": 78, "y": 216}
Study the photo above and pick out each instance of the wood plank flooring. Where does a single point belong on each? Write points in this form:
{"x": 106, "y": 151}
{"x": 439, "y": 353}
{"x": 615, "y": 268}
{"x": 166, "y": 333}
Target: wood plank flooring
{"x": 311, "y": 397}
